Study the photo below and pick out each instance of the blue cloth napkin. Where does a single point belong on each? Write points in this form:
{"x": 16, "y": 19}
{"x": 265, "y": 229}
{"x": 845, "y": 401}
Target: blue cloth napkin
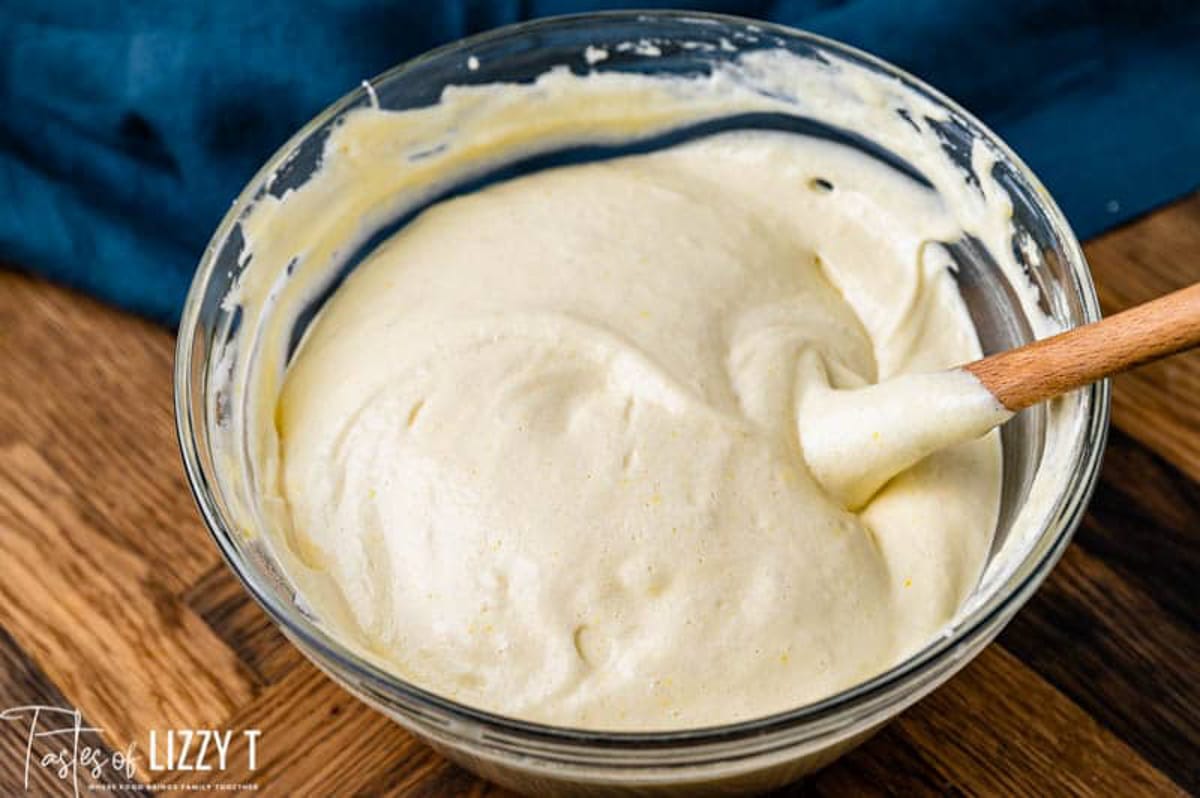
{"x": 127, "y": 129}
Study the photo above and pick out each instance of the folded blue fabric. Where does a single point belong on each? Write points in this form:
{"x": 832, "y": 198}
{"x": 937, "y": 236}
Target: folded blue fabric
{"x": 127, "y": 129}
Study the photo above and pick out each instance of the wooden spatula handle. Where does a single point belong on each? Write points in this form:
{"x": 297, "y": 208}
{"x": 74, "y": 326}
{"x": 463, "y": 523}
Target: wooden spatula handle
{"x": 1052, "y": 366}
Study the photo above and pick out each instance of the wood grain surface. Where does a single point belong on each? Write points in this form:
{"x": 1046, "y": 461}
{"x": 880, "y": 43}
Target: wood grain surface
{"x": 113, "y": 600}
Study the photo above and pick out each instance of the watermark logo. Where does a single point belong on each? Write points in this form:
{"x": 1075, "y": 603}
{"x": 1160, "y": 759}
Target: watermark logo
{"x": 54, "y": 741}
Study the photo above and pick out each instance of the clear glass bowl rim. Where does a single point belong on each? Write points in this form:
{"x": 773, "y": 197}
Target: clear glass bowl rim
{"x": 985, "y": 621}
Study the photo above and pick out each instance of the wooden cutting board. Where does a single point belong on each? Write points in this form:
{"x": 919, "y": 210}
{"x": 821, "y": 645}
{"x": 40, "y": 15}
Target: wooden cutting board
{"x": 114, "y": 601}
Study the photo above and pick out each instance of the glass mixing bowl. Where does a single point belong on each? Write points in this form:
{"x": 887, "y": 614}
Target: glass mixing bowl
{"x": 1051, "y": 453}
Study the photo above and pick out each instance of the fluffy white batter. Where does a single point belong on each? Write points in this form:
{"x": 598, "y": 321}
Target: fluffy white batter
{"x": 549, "y": 442}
